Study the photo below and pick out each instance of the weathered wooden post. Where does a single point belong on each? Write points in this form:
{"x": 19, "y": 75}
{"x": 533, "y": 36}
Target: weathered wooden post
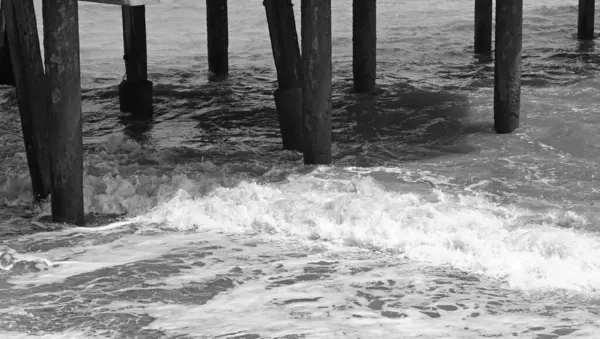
{"x": 585, "y": 23}
{"x": 28, "y": 69}
{"x": 61, "y": 51}
{"x": 218, "y": 38}
{"x": 507, "y": 72}
{"x": 135, "y": 91}
{"x": 483, "y": 26}
{"x": 364, "y": 45}
{"x": 6, "y": 74}
{"x": 288, "y": 62}
{"x": 316, "y": 88}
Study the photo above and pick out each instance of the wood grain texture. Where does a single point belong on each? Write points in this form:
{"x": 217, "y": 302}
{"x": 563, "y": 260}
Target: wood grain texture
{"x": 28, "y": 69}
{"x": 316, "y": 89}
{"x": 61, "y": 47}
{"x": 507, "y": 70}
{"x": 288, "y": 63}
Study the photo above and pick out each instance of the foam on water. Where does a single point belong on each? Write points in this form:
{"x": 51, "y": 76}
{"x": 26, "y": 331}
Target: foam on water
{"x": 327, "y": 253}
{"x": 427, "y": 226}
{"x": 464, "y": 231}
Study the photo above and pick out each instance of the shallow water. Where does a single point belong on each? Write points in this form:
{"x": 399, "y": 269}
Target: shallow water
{"x": 428, "y": 224}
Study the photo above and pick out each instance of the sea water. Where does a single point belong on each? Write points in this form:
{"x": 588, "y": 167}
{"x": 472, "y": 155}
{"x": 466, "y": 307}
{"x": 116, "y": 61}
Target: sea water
{"x": 427, "y": 225}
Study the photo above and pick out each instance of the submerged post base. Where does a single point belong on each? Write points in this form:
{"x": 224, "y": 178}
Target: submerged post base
{"x": 289, "y": 113}
{"x": 505, "y": 124}
{"x": 136, "y": 97}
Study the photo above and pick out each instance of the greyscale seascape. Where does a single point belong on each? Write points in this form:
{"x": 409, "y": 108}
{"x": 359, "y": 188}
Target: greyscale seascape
{"x": 428, "y": 224}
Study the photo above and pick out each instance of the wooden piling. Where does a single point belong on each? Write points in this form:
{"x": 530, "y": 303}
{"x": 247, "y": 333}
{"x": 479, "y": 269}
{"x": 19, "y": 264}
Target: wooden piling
{"x": 288, "y": 62}
{"x": 316, "y": 89}
{"x": 585, "y": 23}
{"x": 28, "y": 69}
{"x": 364, "y": 45}
{"x": 507, "y": 72}
{"x": 483, "y": 26}
{"x": 61, "y": 47}
{"x": 6, "y": 73}
{"x": 135, "y": 91}
{"x": 218, "y": 38}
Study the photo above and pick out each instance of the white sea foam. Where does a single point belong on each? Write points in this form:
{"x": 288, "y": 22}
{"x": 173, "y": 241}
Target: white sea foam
{"x": 465, "y": 231}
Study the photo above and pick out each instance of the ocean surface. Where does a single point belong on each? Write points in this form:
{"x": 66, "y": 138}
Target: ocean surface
{"x": 427, "y": 225}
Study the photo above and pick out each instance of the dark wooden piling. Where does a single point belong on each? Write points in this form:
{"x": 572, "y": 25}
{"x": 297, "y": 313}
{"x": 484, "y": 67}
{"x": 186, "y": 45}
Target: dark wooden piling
{"x": 61, "y": 50}
{"x": 6, "y": 73}
{"x": 364, "y": 45}
{"x": 288, "y": 62}
{"x": 218, "y": 38}
{"x": 483, "y": 26}
{"x": 585, "y": 23}
{"x": 507, "y": 72}
{"x": 316, "y": 89}
{"x": 28, "y": 69}
{"x": 135, "y": 91}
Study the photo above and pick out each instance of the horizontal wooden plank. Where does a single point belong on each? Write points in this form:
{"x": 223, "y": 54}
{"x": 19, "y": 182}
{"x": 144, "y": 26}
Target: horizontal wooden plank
{"x": 125, "y": 2}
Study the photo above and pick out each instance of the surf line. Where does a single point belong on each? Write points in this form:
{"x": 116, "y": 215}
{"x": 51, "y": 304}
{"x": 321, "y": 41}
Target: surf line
{"x": 111, "y": 226}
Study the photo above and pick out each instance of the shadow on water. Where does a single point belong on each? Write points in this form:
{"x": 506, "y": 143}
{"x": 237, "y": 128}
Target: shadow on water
{"x": 137, "y": 128}
{"x": 231, "y": 121}
{"x": 235, "y": 120}
{"x": 586, "y": 46}
{"x": 402, "y": 123}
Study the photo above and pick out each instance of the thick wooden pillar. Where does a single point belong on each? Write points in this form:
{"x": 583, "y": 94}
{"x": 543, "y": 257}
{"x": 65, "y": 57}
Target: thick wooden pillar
{"x": 218, "y": 38}
{"x": 585, "y": 24}
{"x": 135, "y": 91}
{"x": 61, "y": 47}
{"x": 6, "y": 73}
{"x": 483, "y": 26}
{"x": 28, "y": 69}
{"x": 288, "y": 62}
{"x": 507, "y": 72}
{"x": 364, "y": 45}
{"x": 316, "y": 89}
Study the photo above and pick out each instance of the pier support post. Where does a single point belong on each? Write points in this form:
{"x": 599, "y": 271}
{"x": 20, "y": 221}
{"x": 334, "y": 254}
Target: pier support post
{"x": 507, "y": 71}
{"x": 6, "y": 73}
{"x": 316, "y": 88}
{"x": 28, "y": 70}
{"x": 364, "y": 45}
{"x": 585, "y": 23}
{"x": 483, "y": 26}
{"x": 288, "y": 62}
{"x": 135, "y": 91}
{"x": 218, "y": 38}
{"x": 61, "y": 50}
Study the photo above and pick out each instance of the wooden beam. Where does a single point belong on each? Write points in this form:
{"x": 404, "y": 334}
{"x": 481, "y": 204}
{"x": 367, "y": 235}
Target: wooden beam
{"x": 218, "y": 38}
{"x": 125, "y": 2}
{"x": 585, "y": 22}
{"x": 507, "y": 68}
{"x": 6, "y": 73}
{"x": 61, "y": 48}
{"x": 135, "y": 92}
{"x": 483, "y": 26}
{"x": 364, "y": 45}
{"x": 28, "y": 69}
{"x": 316, "y": 89}
{"x": 288, "y": 62}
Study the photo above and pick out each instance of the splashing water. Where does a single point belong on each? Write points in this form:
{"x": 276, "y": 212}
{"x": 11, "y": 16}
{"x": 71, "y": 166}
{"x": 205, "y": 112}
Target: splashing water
{"x": 427, "y": 225}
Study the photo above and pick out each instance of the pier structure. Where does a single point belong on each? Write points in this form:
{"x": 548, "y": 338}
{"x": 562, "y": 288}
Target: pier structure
{"x": 304, "y": 76}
